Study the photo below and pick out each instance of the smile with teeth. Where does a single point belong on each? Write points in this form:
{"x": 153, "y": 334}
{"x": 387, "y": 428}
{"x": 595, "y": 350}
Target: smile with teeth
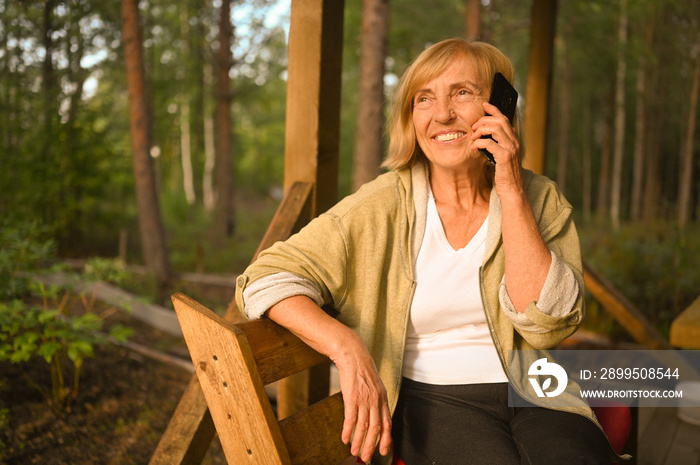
{"x": 449, "y": 136}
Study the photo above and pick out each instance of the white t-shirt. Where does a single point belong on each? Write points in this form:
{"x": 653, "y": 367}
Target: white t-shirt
{"x": 448, "y": 339}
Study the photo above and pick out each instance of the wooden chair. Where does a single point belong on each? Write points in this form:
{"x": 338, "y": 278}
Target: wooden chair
{"x": 234, "y": 362}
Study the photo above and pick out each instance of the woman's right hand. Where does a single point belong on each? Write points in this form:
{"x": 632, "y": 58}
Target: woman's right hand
{"x": 367, "y": 415}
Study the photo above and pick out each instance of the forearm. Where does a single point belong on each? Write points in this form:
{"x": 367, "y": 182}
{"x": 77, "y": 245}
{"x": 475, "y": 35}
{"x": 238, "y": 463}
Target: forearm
{"x": 315, "y": 327}
{"x": 527, "y": 257}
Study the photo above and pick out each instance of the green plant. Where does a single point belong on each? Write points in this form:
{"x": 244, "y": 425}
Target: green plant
{"x": 104, "y": 269}
{"x": 53, "y": 324}
{"x": 23, "y": 249}
{"x": 49, "y": 332}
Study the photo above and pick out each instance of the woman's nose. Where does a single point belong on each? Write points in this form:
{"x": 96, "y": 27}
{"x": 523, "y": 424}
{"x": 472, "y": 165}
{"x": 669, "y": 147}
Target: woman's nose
{"x": 443, "y": 111}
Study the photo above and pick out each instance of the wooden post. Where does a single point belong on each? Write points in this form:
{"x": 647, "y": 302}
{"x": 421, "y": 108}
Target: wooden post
{"x": 539, "y": 73}
{"x": 312, "y": 142}
{"x": 313, "y": 99}
{"x": 311, "y": 156}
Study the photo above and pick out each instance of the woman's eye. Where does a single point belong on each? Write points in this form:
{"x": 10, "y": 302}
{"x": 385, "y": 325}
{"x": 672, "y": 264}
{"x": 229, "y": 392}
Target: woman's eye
{"x": 463, "y": 96}
{"x": 421, "y": 101}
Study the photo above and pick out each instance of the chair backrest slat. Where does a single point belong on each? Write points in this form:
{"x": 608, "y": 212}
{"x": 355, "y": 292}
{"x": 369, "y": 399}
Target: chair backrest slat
{"x": 233, "y": 363}
{"x": 313, "y": 435}
{"x": 278, "y": 353}
{"x": 224, "y": 363}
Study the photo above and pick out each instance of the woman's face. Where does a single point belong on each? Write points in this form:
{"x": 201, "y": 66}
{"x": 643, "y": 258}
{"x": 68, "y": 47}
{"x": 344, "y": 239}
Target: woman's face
{"x": 444, "y": 111}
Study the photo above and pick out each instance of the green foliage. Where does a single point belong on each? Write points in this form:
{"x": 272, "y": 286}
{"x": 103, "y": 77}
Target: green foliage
{"x": 65, "y": 152}
{"x": 192, "y": 247}
{"x": 104, "y": 269}
{"x": 654, "y": 266}
{"x": 23, "y": 248}
{"x": 51, "y": 332}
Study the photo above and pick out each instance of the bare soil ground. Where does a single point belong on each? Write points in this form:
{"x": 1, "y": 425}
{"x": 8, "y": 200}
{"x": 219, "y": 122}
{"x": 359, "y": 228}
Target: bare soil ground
{"x": 124, "y": 404}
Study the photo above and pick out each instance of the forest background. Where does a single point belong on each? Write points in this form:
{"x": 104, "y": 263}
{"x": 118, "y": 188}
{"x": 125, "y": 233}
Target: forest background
{"x": 622, "y": 128}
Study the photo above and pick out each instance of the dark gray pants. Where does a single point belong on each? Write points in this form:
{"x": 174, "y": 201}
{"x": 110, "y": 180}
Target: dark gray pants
{"x": 473, "y": 424}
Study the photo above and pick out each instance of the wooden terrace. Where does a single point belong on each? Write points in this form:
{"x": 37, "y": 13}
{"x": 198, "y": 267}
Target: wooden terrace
{"x": 663, "y": 439}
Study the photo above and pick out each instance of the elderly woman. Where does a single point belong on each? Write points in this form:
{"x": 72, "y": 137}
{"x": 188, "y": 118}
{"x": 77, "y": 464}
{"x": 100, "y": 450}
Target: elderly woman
{"x": 436, "y": 270}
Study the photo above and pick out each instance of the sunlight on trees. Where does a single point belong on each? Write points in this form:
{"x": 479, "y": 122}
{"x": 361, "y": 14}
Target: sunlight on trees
{"x": 65, "y": 149}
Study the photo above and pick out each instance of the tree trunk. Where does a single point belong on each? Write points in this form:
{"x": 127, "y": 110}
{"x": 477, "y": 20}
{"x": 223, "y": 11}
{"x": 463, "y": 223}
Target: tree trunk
{"x": 209, "y": 197}
{"x": 47, "y": 81}
{"x": 6, "y": 130}
{"x": 616, "y": 181}
{"x": 604, "y": 173}
{"x": 185, "y": 150}
{"x": 660, "y": 81}
{"x": 153, "y": 241}
{"x": 686, "y": 168}
{"x": 199, "y": 94}
{"x": 472, "y": 19}
{"x": 185, "y": 139}
{"x": 46, "y": 171}
{"x": 224, "y": 167}
{"x": 652, "y": 186}
{"x": 587, "y": 172}
{"x": 73, "y": 235}
{"x": 640, "y": 138}
{"x": 78, "y": 76}
{"x": 369, "y": 147}
{"x": 564, "y": 116}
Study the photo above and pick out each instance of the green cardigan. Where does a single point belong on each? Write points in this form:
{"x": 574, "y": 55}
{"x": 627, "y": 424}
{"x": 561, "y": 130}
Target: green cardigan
{"x": 358, "y": 258}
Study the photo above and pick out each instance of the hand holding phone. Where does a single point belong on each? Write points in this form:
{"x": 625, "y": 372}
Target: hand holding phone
{"x": 505, "y": 98}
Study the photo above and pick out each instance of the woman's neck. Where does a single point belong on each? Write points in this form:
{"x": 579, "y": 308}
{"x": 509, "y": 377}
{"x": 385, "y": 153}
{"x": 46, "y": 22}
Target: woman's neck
{"x": 462, "y": 190}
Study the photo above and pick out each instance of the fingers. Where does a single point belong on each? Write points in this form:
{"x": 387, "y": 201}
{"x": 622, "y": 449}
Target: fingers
{"x": 385, "y": 441}
{"x": 349, "y": 421}
{"x": 361, "y": 437}
{"x": 367, "y": 426}
{"x": 502, "y": 139}
{"x": 503, "y": 145}
{"x": 377, "y": 431}
{"x": 367, "y": 421}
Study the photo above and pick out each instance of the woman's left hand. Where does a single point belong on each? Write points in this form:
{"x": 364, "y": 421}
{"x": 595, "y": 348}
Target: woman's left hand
{"x": 504, "y": 147}
{"x": 527, "y": 257}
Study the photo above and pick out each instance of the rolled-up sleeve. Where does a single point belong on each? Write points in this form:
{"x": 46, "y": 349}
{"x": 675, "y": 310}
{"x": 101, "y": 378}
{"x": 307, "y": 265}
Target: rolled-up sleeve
{"x": 554, "y": 307}
{"x": 266, "y": 292}
{"x": 310, "y": 263}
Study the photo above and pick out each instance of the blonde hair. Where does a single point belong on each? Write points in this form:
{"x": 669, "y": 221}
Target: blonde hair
{"x": 487, "y": 59}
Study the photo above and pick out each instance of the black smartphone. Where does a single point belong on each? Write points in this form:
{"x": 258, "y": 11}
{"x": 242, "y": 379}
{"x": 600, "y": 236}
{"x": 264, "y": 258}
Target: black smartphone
{"x": 505, "y": 98}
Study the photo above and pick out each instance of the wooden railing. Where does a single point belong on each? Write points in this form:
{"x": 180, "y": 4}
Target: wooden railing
{"x": 629, "y": 316}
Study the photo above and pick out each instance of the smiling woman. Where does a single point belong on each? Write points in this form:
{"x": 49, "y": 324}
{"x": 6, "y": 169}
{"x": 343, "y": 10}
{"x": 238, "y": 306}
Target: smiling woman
{"x": 444, "y": 112}
{"x": 437, "y": 269}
